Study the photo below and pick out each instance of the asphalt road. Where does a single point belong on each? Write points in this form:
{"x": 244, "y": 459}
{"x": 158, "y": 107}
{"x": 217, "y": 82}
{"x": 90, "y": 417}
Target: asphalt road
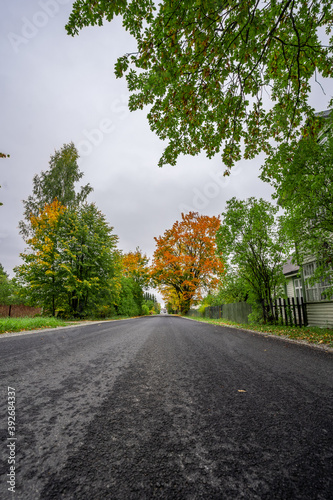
{"x": 163, "y": 407}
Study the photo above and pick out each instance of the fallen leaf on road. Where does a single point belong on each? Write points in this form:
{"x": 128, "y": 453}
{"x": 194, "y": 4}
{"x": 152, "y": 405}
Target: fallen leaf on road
{"x": 241, "y": 390}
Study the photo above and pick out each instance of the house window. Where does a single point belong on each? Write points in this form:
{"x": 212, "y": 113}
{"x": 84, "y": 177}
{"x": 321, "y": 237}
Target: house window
{"x": 315, "y": 292}
{"x": 323, "y": 286}
{"x": 298, "y": 288}
{"x": 311, "y": 291}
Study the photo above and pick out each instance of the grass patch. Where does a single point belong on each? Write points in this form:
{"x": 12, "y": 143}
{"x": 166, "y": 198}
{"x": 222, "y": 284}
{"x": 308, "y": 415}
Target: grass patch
{"x": 311, "y": 334}
{"x": 20, "y": 324}
{"x": 8, "y": 325}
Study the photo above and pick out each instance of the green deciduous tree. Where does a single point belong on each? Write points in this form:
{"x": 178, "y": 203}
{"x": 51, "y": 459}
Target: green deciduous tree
{"x": 130, "y": 298}
{"x": 150, "y": 305}
{"x": 206, "y": 68}
{"x": 71, "y": 261}
{"x": 8, "y": 289}
{"x": 135, "y": 277}
{"x": 255, "y": 247}
{"x": 88, "y": 258}
{"x": 4, "y": 286}
{"x": 232, "y": 289}
{"x": 56, "y": 183}
{"x": 304, "y": 188}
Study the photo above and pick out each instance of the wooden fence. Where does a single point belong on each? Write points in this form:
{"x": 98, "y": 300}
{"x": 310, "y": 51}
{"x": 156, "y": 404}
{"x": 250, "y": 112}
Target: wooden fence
{"x": 238, "y": 312}
{"x": 19, "y": 311}
{"x": 213, "y": 312}
{"x": 290, "y": 312}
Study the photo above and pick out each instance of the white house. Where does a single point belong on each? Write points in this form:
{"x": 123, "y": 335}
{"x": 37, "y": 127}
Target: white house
{"x": 319, "y": 308}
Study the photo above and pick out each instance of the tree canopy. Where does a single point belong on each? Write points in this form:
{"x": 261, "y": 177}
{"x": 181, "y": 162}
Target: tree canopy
{"x": 135, "y": 266}
{"x": 255, "y": 247}
{"x": 56, "y": 183}
{"x": 185, "y": 261}
{"x": 217, "y": 75}
{"x": 41, "y": 273}
{"x": 72, "y": 266}
{"x": 8, "y": 288}
{"x": 71, "y": 260}
{"x": 133, "y": 280}
{"x": 304, "y": 189}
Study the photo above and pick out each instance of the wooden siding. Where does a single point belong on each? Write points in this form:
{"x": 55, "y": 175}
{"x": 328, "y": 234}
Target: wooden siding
{"x": 290, "y": 288}
{"x": 320, "y": 314}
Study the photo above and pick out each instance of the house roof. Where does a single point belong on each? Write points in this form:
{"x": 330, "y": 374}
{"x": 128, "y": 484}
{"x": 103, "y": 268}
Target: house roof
{"x": 290, "y": 268}
{"x": 324, "y": 114}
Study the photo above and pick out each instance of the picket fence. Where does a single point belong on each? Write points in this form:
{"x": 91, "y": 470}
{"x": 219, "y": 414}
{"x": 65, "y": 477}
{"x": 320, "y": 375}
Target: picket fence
{"x": 290, "y": 312}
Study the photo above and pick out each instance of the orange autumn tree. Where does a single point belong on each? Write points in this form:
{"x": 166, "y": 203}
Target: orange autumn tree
{"x": 135, "y": 266}
{"x": 185, "y": 261}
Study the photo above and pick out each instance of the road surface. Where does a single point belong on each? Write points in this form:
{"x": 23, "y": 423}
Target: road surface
{"x": 164, "y": 407}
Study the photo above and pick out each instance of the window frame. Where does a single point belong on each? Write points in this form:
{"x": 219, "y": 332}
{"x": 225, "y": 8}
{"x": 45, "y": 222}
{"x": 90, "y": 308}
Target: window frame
{"x": 315, "y": 292}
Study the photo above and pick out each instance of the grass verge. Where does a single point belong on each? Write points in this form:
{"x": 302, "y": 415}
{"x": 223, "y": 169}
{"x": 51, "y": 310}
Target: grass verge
{"x": 311, "y": 334}
{"x": 8, "y": 325}
{"x": 20, "y": 324}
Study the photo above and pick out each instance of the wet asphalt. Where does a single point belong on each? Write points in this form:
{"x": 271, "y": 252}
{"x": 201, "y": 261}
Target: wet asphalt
{"x": 164, "y": 407}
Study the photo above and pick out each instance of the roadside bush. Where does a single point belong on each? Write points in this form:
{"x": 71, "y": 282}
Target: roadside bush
{"x": 145, "y": 310}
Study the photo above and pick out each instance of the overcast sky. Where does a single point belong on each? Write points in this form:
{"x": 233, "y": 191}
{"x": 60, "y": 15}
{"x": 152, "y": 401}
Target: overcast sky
{"x": 56, "y": 89}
